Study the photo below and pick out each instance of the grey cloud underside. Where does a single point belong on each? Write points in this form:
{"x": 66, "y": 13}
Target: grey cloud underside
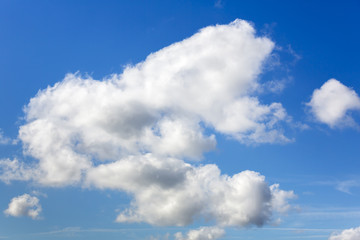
{"x": 132, "y": 132}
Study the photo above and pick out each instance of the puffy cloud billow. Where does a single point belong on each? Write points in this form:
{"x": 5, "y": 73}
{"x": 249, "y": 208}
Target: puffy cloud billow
{"x": 139, "y": 131}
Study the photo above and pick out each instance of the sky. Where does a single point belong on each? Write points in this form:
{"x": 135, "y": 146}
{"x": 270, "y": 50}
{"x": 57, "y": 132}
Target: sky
{"x": 183, "y": 120}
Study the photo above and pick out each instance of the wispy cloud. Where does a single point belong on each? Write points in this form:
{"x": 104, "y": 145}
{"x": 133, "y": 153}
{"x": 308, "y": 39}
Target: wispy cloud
{"x": 301, "y": 229}
{"x": 5, "y": 140}
{"x": 344, "y": 186}
{"x": 330, "y": 213}
{"x": 219, "y": 4}
{"x": 100, "y": 230}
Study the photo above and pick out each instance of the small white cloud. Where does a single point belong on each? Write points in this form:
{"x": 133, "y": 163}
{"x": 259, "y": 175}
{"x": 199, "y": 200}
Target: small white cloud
{"x": 24, "y": 206}
{"x": 348, "y": 234}
{"x": 203, "y": 233}
{"x": 332, "y": 102}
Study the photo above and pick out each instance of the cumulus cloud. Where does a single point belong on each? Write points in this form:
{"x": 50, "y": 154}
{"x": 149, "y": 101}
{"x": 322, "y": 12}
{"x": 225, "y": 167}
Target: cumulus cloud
{"x": 204, "y": 233}
{"x": 161, "y": 106}
{"x": 332, "y": 102}
{"x": 172, "y": 192}
{"x": 348, "y": 234}
{"x": 139, "y": 131}
{"x": 24, "y": 206}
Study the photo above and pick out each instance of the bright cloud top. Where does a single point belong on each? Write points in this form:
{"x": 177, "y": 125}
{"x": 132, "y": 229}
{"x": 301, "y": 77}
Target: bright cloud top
{"x": 132, "y": 132}
{"x": 348, "y": 234}
{"x": 332, "y": 102}
{"x": 24, "y": 206}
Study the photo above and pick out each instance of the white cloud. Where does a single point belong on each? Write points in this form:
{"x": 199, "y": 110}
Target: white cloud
{"x": 172, "y": 192}
{"x": 159, "y": 106}
{"x": 332, "y": 102}
{"x": 133, "y": 132}
{"x": 24, "y": 205}
{"x": 203, "y": 233}
{"x": 348, "y": 234}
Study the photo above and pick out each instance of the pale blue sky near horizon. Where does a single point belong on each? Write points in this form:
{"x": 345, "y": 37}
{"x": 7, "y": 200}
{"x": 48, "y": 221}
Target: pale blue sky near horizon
{"x": 42, "y": 41}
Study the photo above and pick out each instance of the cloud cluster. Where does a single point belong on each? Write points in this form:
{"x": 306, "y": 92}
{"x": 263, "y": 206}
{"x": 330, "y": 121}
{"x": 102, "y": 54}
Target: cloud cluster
{"x": 348, "y": 234}
{"x": 204, "y": 233}
{"x": 332, "y": 102}
{"x": 24, "y": 206}
{"x": 137, "y": 131}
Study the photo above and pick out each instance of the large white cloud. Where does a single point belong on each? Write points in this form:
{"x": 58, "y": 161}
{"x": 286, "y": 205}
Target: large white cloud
{"x": 137, "y": 131}
{"x": 348, "y": 234}
{"x": 332, "y": 102}
{"x": 160, "y": 106}
{"x": 24, "y": 205}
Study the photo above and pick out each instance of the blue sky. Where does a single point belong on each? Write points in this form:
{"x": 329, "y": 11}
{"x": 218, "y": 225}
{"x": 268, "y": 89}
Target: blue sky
{"x": 115, "y": 149}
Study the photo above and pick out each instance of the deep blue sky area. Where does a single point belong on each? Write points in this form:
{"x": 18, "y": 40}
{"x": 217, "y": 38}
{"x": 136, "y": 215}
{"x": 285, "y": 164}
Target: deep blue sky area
{"x": 42, "y": 41}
